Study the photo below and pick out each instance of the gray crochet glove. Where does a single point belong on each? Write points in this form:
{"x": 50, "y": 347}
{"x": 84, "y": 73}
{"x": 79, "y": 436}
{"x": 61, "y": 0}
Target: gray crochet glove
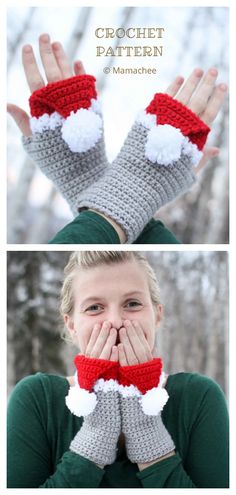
{"x": 97, "y": 439}
{"x": 154, "y": 166}
{"x": 146, "y": 437}
{"x": 68, "y": 138}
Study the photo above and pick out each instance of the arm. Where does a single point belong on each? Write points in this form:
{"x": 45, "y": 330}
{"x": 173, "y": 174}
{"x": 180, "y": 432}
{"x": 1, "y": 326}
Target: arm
{"x": 30, "y": 463}
{"x": 206, "y": 428}
{"x": 206, "y": 464}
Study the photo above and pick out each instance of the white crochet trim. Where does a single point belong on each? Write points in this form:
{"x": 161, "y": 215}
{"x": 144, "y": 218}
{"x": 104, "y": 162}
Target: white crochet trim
{"x": 192, "y": 150}
{"x": 106, "y": 385}
{"x": 96, "y": 106}
{"x": 82, "y": 130}
{"x": 46, "y": 122}
{"x": 129, "y": 391}
{"x": 148, "y": 120}
{"x": 165, "y": 144}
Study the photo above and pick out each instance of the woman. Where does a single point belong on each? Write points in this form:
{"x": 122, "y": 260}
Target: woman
{"x": 158, "y": 161}
{"x": 120, "y": 421}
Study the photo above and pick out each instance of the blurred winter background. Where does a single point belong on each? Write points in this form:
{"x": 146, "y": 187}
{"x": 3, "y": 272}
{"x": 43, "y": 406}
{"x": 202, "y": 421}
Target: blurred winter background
{"x": 193, "y": 336}
{"x": 194, "y": 36}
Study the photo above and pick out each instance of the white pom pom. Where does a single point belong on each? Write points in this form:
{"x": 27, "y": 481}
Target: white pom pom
{"x": 154, "y": 400}
{"x": 82, "y": 130}
{"x": 46, "y": 122}
{"x": 80, "y": 401}
{"x": 147, "y": 120}
{"x": 164, "y": 144}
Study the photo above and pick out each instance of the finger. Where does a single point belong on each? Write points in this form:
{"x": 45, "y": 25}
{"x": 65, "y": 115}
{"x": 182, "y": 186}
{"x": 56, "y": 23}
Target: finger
{"x": 208, "y": 154}
{"x": 122, "y": 356}
{"x": 93, "y": 339}
{"x": 33, "y": 76}
{"x": 142, "y": 338}
{"x": 137, "y": 346}
{"x": 62, "y": 60}
{"x": 52, "y": 70}
{"x": 21, "y": 118}
{"x": 79, "y": 68}
{"x": 192, "y": 82}
{"x": 131, "y": 356}
{"x": 174, "y": 87}
{"x": 114, "y": 354}
{"x": 109, "y": 343}
{"x": 154, "y": 352}
{"x": 201, "y": 96}
{"x": 214, "y": 104}
{"x": 101, "y": 340}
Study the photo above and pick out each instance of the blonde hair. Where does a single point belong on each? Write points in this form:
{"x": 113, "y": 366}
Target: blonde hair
{"x": 84, "y": 260}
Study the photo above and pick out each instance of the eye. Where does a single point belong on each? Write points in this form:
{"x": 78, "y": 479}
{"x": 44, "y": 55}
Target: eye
{"x": 94, "y": 308}
{"x": 133, "y": 304}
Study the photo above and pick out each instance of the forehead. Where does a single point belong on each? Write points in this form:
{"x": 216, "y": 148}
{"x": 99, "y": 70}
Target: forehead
{"x": 128, "y": 275}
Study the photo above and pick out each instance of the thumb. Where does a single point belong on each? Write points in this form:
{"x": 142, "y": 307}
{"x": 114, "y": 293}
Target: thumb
{"x": 21, "y": 118}
{"x": 154, "y": 352}
{"x": 208, "y": 153}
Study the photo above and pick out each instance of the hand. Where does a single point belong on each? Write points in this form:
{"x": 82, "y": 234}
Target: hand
{"x": 56, "y": 66}
{"x": 102, "y": 341}
{"x": 201, "y": 95}
{"x": 133, "y": 348}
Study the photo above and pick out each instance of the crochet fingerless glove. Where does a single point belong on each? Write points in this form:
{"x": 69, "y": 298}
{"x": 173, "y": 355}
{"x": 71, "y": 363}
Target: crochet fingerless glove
{"x": 67, "y": 141}
{"x": 154, "y": 166}
{"x": 146, "y": 437}
{"x": 113, "y": 399}
{"x": 98, "y": 402}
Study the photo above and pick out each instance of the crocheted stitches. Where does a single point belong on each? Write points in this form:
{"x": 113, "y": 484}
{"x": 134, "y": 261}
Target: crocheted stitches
{"x": 64, "y": 96}
{"x": 70, "y": 173}
{"x": 97, "y": 438}
{"x": 133, "y": 188}
{"x": 146, "y": 437}
{"x": 90, "y": 370}
{"x": 172, "y": 112}
{"x": 144, "y": 376}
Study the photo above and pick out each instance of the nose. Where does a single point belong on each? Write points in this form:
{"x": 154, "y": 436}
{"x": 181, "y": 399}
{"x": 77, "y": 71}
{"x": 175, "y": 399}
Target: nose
{"x": 115, "y": 317}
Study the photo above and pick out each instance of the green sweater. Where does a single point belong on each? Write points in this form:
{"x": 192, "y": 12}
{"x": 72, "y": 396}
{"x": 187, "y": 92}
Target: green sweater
{"x": 91, "y": 228}
{"x": 40, "y": 429}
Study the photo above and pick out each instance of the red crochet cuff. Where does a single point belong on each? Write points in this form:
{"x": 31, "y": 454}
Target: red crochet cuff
{"x": 172, "y": 112}
{"x": 64, "y": 96}
{"x": 144, "y": 376}
{"x": 89, "y": 370}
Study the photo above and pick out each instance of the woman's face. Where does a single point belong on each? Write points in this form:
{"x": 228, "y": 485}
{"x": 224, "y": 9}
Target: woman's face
{"x": 112, "y": 293}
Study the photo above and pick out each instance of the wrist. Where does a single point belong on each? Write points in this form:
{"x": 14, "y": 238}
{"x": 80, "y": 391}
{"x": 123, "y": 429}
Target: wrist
{"x": 145, "y": 465}
{"x": 116, "y": 227}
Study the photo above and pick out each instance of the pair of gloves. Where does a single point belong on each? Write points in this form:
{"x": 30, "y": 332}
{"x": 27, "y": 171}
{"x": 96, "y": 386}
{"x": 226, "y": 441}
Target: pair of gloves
{"x": 154, "y": 165}
{"x": 114, "y": 399}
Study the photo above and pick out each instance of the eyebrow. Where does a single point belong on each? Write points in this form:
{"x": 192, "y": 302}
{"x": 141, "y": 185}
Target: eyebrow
{"x": 127, "y": 294}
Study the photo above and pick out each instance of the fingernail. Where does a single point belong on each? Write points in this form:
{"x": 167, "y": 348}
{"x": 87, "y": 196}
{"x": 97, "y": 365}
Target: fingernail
{"x": 107, "y": 324}
{"x": 44, "y": 37}
{"x": 179, "y": 80}
{"x": 213, "y": 71}
{"x": 97, "y": 326}
{"x": 127, "y": 322}
{"x": 27, "y": 48}
{"x": 56, "y": 45}
{"x": 223, "y": 87}
{"x": 198, "y": 72}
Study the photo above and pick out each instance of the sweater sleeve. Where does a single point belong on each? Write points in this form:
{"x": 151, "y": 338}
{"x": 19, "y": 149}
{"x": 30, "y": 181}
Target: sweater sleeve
{"x": 30, "y": 463}
{"x": 206, "y": 460}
